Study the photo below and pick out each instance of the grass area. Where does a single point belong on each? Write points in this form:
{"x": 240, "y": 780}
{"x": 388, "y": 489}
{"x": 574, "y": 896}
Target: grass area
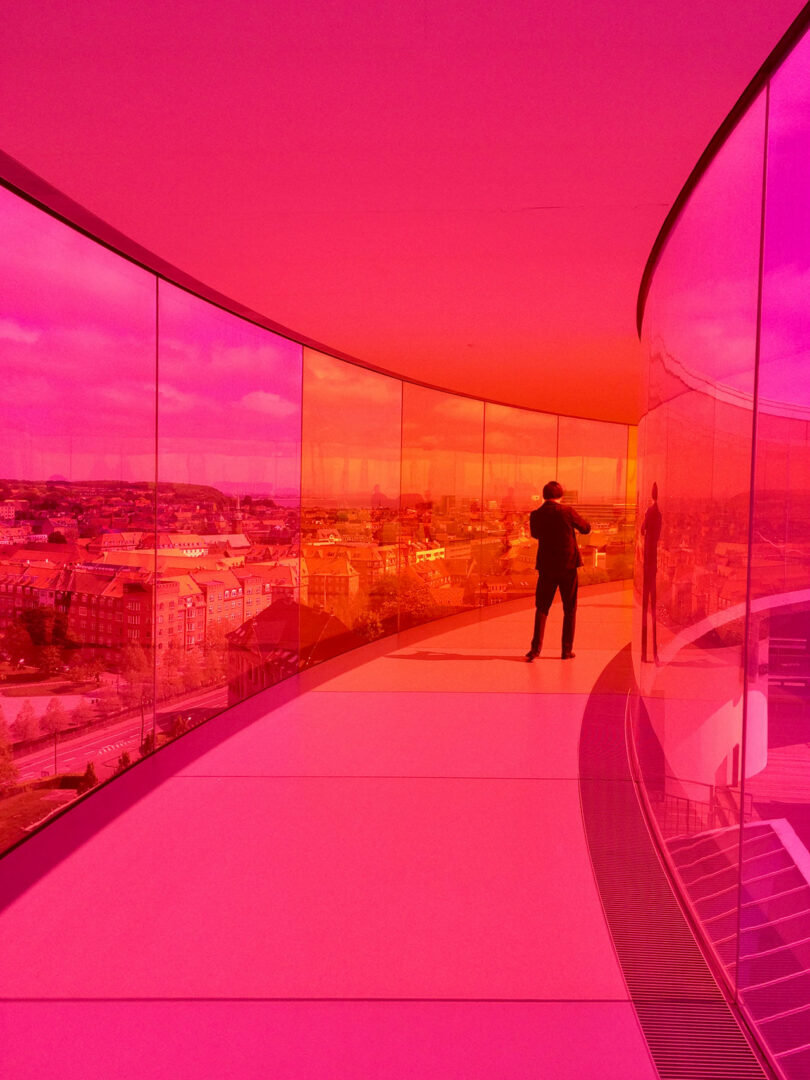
{"x": 34, "y": 689}
{"x": 26, "y": 808}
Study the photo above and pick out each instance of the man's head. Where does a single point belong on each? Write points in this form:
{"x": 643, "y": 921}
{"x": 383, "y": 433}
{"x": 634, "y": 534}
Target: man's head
{"x": 552, "y": 490}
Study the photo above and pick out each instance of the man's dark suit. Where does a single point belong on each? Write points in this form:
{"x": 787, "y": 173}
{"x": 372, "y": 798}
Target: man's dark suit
{"x": 555, "y": 526}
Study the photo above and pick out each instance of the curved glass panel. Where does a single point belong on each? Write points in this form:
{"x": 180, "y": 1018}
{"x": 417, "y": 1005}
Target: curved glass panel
{"x": 774, "y": 973}
{"x": 727, "y": 711}
{"x": 692, "y": 544}
{"x": 227, "y": 552}
{"x": 77, "y": 441}
{"x": 520, "y": 456}
{"x": 592, "y": 468}
{"x": 349, "y": 506}
{"x": 442, "y": 479}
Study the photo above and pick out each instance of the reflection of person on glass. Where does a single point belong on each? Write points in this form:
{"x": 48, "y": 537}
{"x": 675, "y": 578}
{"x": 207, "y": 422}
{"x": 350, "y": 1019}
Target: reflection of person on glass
{"x": 651, "y": 531}
{"x": 554, "y": 527}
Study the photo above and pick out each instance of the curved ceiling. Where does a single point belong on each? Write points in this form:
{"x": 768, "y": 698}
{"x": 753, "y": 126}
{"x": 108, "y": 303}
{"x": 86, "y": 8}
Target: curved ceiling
{"x": 463, "y": 193}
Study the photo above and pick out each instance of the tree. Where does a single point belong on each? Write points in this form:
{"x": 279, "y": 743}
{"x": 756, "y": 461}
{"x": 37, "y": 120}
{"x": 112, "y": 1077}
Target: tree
{"x": 215, "y": 657}
{"x": 135, "y": 665}
{"x": 25, "y": 726}
{"x": 54, "y": 718}
{"x": 213, "y": 667}
{"x": 148, "y": 745}
{"x": 169, "y": 675}
{"x": 216, "y": 638}
{"x": 57, "y": 537}
{"x": 89, "y": 780}
{"x": 109, "y": 701}
{"x": 368, "y": 625}
{"x": 415, "y": 602}
{"x": 169, "y": 682}
{"x": 178, "y": 726}
{"x": 84, "y": 713}
{"x": 49, "y": 660}
{"x": 85, "y": 667}
{"x": 8, "y": 770}
{"x": 124, "y": 762}
{"x": 132, "y": 659}
{"x": 18, "y": 645}
{"x": 192, "y": 671}
{"x": 46, "y": 625}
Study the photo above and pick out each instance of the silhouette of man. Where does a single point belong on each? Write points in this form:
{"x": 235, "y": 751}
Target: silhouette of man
{"x": 554, "y": 527}
{"x": 651, "y": 531}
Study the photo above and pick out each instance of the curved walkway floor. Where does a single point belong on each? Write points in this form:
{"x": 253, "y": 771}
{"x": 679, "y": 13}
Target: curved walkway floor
{"x": 384, "y": 876}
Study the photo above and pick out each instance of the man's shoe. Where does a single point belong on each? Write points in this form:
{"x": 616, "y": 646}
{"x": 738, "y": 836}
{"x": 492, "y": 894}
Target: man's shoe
{"x": 532, "y": 654}
{"x": 568, "y": 655}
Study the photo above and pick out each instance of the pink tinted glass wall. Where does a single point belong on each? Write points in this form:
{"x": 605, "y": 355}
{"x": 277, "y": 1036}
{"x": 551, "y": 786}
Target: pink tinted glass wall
{"x": 440, "y": 515}
{"x": 349, "y": 506}
{"x": 77, "y": 336}
{"x": 229, "y": 424}
{"x": 592, "y": 468}
{"x": 774, "y": 959}
{"x": 694, "y": 484}
{"x": 520, "y": 456}
{"x": 728, "y": 404}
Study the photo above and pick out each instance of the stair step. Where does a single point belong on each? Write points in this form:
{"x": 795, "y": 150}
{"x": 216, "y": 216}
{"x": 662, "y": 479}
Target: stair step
{"x": 756, "y": 890}
{"x": 717, "y": 839}
{"x": 774, "y": 935}
{"x": 777, "y": 997}
{"x": 729, "y": 849}
{"x": 762, "y": 888}
{"x": 787, "y": 1032}
{"x": 763, "y": 913}
{"x": 789, "y": 960}
{"x": 753, "y": 869}
{"x": 776, "y": 907}
{"x": 796, "y": 1066}
{"x": 728, "y": 856}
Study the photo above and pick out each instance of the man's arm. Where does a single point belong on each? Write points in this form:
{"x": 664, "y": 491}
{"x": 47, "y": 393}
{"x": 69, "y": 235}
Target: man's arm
{"x": 579, "y": 522}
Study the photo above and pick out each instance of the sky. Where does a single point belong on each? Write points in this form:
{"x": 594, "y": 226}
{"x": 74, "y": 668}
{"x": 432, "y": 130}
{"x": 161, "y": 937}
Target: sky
{"x": 85, "y": 337}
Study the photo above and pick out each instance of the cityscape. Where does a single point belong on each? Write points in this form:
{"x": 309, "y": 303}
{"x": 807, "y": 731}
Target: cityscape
{"x": 115, "y": 637}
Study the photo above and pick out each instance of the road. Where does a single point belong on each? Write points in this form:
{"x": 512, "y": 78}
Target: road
{"x": 104, "y": 746}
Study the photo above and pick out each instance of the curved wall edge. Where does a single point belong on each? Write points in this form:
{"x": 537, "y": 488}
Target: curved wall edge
{"x": 25, "y": 183}
{"x": 772, "y": 62}
{"x": 721, "y": 642}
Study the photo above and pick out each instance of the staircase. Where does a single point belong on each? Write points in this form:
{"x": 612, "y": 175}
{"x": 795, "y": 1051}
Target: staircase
{"x": 773, "y": 922}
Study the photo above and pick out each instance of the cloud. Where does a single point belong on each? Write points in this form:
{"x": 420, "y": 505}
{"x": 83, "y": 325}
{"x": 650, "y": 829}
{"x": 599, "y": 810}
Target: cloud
{"x": 174, "y": 400}
{"x": 262, "y": 401}
{"x": 13, "y": 331}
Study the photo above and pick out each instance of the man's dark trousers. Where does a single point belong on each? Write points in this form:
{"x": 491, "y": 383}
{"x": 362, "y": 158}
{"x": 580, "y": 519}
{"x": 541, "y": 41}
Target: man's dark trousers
{"x": 648, "y": 600}
{"x": 567, "y": 581}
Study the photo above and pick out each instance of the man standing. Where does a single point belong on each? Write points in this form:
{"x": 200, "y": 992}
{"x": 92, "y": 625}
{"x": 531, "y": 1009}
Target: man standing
{"x": 554, "y": 527}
